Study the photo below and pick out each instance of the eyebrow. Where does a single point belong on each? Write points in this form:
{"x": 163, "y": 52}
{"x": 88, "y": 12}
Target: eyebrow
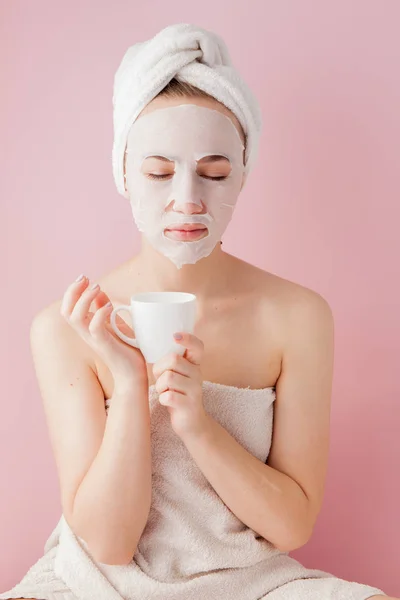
{"x": 208, "y": 159}
{"x": 214, "y": 158}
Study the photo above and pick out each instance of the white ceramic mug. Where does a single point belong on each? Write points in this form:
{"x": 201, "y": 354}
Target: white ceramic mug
{"x": 156, "y": 316}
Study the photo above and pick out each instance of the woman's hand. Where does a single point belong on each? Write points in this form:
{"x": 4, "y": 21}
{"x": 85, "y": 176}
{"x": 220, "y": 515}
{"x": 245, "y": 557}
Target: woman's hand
{"x": 125, "y": 363}
{"x": 179, "y": 384}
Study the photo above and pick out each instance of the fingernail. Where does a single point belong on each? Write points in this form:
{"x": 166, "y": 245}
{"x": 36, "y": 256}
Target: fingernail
{"x": 178, "y": 336}
{"x": 94, "y": 286}
{"x": 80, "y": 278}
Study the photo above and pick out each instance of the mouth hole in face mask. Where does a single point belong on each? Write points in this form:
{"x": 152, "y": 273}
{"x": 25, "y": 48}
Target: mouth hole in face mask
{"x": 184, "y": 238}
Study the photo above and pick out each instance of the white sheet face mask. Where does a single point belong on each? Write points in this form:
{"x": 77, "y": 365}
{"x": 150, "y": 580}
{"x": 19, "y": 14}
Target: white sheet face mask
{"x": 183, "y": 134}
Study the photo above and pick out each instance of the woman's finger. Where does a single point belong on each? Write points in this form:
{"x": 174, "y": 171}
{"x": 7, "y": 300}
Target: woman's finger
{"x": 170, "y": 380}
{"x": 170, "y": 398}
{"x": 71, "y": 295}
{"x": 101, "y": 299}
{"x": 100, "y": 327}
{"x": 80, "y": 311}
{"x": 194, "y": 346}
{"x": 97, "y": 326}
{"x": 174, "y": 362}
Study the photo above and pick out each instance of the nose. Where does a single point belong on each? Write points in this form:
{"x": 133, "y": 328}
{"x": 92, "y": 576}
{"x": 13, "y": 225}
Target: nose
{"x": 187, "y": 195}
{"x": 188, "y": 208}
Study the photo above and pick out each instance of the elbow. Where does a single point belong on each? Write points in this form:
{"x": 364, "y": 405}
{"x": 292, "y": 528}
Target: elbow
{"x": 295, "y": 542}
{"x": 108, "y": 556}
{"x": 298, "y": 533}
{"x": 99, "y": 547}
{"x": 291, "y": 546}
{"x": 116, "y": 559}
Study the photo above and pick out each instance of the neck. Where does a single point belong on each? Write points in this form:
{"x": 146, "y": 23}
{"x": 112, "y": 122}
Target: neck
{"x": 207, "y": 277}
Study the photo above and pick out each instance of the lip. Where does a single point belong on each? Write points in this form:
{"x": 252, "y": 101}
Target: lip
{"x": 187, "y": 227}
{"x": 186, "y": 234}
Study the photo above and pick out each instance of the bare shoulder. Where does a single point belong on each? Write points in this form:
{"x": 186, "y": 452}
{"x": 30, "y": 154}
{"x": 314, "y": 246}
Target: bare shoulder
{"x": 49, "y": 324}
{"x": 304, "y": 312}
{"x": 291, "y": 302}
{"x": 301, "y": 306}
{"x": 53, "y": 340}
{"x": 49, "y": 319}
{"x": 49, "y": 329}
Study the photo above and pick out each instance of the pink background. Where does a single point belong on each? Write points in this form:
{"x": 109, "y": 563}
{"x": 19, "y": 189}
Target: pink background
{"x": 321, "y": 208}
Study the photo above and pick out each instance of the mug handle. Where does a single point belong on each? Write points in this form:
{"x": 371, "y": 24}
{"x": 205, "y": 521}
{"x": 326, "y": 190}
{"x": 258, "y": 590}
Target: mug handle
{"x": 113, "y": 321}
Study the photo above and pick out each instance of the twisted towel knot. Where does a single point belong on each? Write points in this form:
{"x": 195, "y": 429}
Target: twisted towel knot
{"x": 193, "y": 55}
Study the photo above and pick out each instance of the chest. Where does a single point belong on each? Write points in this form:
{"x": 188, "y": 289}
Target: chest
{"x": 241, "y": 346}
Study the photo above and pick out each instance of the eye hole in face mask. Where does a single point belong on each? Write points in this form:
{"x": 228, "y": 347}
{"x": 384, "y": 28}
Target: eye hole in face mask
{"x": 155, "y": 176}
{"x": 205, "y": 166}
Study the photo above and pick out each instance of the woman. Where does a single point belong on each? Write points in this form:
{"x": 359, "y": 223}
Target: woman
{"x": 196, "y": 476}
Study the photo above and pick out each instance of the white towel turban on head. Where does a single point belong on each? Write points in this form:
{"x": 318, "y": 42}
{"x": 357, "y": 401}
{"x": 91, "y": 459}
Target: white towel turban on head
{"x": 188, "y": 53}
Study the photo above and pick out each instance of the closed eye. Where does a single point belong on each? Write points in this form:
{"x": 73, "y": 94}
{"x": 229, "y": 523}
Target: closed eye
{"x": 154, "y": 176}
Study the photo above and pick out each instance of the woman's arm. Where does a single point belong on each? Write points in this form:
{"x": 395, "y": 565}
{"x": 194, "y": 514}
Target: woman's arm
{"x": 103, "y": 463}
{"x": 280, "y": 500}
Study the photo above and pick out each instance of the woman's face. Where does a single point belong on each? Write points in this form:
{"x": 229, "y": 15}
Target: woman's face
{"x": 184, "y": 170}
